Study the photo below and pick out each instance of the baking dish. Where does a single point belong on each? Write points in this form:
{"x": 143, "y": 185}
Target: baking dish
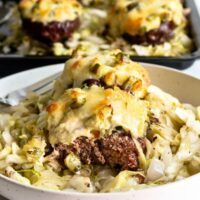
{"x": 12, "y": 63}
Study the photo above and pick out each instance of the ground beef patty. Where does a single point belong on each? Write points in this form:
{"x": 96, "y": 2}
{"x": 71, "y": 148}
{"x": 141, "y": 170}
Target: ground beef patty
{"x": 51, "y": 32}
{"x": 50, "y": 20}
{"x": 116, "y": 150}
{"x": 120, "y": 150}
{"x": 156, "y": 36}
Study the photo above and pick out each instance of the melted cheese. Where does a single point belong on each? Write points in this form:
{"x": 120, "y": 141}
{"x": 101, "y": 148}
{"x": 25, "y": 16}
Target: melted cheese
{"x": 112, "y": 67}
{"x": 144, "y": 16}
{"x": 46, "y": 11}
{"x": 99, "y": 110}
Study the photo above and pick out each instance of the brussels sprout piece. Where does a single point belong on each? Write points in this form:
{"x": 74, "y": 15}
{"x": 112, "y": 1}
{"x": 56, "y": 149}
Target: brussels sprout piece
{"x": 78, "y": 103}
{"x": 72, "y": 162}
{"x": 109, "y": 79}
{"x": 94, "y": 68}
{"x": 132, "y": 84}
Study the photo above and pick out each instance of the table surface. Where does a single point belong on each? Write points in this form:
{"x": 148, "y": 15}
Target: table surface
{"x": 194, "y": 70}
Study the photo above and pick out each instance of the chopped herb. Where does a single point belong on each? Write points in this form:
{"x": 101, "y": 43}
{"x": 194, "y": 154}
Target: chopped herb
{"x": 132, "y": 6}
{"x": 94, "y": 68}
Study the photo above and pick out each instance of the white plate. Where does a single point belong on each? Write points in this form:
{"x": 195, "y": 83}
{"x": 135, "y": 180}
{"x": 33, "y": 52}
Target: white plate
{"x": 185, "y": 87}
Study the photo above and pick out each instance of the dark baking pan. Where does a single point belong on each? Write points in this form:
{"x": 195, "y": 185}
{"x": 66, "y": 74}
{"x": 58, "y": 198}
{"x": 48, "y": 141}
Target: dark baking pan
{"x": 184, "y": 61}
{"x": 12, "y": 63}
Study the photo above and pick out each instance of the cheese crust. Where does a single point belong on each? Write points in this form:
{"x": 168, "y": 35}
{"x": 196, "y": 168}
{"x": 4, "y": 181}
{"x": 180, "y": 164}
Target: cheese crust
{"x": 138, "y": 16}
{"x": 84, "y": 112}
{"x": 47, "y": 11}
{"x": 110, "y": 68}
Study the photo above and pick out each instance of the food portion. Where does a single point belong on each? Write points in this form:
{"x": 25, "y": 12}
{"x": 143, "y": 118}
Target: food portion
{"x": 144, "y": 21}
{"x": 152, "y": 27}
{"x": 117, "y": 150}
{"x": 95, "y": 112}
{"x": 108, "y": 69}
{"x": 50, "y": 20}
{"x": 90, "y": 136}
{"x": 137, "y": 27}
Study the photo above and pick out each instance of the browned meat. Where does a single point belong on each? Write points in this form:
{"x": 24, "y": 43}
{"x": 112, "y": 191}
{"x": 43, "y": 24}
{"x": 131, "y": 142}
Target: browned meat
{"x": 156, "y": 36}
{"x": 162, "y": 34}
{"x": 88, "y": 151}
{"x": 116, "y": 150}
{"x": 63, "y": 150}
{"x": 91, "y": 82}
{"x": 119, "y": 150}
{"x": 51, "y": 32}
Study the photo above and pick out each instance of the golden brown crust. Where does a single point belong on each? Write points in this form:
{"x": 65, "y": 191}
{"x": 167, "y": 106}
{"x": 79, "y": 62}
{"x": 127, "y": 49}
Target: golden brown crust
{"x": 47, "y": 11}
{"x": 140, "y": 16}
{"x": 83, "y": 112}
{"x": 109, "y": 69}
